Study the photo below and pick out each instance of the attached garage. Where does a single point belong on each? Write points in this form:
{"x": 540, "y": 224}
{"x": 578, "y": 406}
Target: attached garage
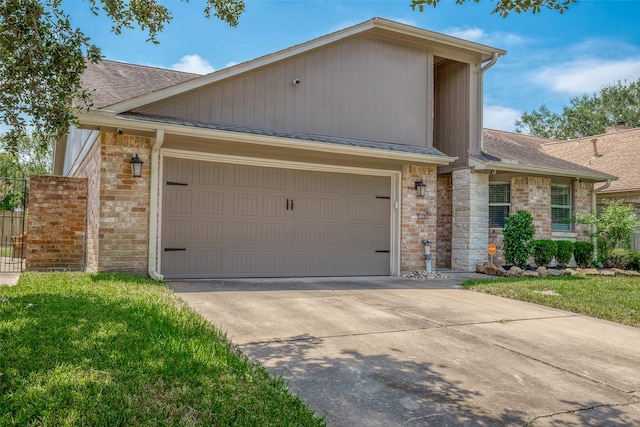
{"x": 237, "y": 220}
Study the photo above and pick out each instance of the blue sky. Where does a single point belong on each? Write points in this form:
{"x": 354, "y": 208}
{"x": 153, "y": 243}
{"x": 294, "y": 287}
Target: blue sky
{"x": 551, "y": 57}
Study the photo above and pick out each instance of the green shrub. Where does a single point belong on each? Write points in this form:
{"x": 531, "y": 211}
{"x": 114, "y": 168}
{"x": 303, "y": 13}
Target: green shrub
{"x": 619, "y": 258}
{"x": 583, "y": 253}
{"x": 543, "y": 251}
{"x": 517, "y": 234}
{"x": 634, "y": 263}
{"x": 564, "y": 252}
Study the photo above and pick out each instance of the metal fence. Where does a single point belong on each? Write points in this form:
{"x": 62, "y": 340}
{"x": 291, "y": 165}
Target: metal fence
{"x": 13, "y": 214}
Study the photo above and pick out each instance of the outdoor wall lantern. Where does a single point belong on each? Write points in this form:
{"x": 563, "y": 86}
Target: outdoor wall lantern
{"x": 136, "y": 166}
{"x": 421, "y": 188}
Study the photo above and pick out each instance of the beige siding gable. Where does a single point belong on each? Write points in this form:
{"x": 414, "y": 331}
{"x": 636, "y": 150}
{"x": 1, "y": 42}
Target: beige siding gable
{"x": 361, "y": 88}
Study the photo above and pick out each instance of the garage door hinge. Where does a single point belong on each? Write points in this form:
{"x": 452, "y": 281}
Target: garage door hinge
{"x": 382, "y": 251}
{"x": 383, "y": 197}
{"x": 177, "y": 183}
{"x": 174, "y": 249}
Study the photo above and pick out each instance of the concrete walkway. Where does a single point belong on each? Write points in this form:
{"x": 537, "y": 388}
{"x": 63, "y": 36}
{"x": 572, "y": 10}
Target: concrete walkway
{"x": 392, "y": 351}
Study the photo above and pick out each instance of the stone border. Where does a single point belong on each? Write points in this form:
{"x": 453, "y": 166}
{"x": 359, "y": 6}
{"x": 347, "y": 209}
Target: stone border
{"x": 493, "y": 270}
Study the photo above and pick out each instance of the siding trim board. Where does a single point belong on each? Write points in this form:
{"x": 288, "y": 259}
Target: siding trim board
{"x": 394, "y": 191}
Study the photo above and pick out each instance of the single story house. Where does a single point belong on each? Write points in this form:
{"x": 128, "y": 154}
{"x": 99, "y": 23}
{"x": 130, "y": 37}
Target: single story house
{"x": 617, "y": 152}
{"x": 341, "y": 156}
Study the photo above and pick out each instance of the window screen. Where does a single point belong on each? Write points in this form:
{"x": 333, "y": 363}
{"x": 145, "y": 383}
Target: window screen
{"x": 560, "y": 207}
{"x": 499, "y": 203}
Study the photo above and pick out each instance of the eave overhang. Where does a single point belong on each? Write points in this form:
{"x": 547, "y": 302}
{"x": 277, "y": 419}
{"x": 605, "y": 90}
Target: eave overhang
{"x": 101, "y": 119}
{"x": 499, "y": 166}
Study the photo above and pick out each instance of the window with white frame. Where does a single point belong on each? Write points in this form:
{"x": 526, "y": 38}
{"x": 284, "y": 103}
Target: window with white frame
{"x": 560, "y": 207}
{"x": 499, "y": 203}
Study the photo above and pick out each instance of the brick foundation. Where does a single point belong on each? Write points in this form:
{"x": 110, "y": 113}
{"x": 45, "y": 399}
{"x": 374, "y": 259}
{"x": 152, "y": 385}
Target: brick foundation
{"x": 56, "y": 223}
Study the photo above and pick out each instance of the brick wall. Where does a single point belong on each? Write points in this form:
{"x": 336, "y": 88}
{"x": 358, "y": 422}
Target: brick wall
{"x": 90, "y": 169}
{"x": 418, "y": 217}
{"x": 444, "y": 221}
{"x": 124, "y": 204}
{"x": 56, "y": 223}
{"x": 533, "y": 194}
{"x": 582, "y": 203}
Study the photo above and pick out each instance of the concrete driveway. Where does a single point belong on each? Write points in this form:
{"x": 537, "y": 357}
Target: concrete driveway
{"x": 392, "y": 351}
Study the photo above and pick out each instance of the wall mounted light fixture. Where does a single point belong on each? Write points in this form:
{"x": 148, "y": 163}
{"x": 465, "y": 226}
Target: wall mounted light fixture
{"x": 136, "y": 166}
{"x": 421, "y": 188}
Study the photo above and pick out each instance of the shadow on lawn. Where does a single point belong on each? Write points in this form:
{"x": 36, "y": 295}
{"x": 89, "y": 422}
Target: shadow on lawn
{"x": 75, "y": 358}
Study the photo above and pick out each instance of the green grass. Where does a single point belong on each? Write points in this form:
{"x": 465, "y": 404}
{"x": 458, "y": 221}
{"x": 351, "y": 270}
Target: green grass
{"x": 117, "y": 350}
{"x": 606, "y": 297}
{"x": 6, "y": 251}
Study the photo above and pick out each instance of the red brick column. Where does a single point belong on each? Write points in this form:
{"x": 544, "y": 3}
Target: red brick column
{"x": 418, "y": 217}
{"x": 56, "y": 223}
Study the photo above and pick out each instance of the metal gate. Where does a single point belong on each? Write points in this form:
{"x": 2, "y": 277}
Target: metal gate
{"x": 13, "y": 213}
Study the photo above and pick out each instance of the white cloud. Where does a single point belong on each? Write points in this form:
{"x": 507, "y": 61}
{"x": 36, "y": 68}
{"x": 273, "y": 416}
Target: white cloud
{"x": 193, "y": 64}
{"x": 230, "y": 64}
{"x": 500, "y": 118}
{"x": 474, "y": 34}
{"x": 478, "y": 35}
{"x": 587, "y": 75}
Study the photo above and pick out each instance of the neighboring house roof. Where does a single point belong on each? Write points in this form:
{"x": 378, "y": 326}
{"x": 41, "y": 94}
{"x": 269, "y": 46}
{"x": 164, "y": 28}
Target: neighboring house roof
{"x": 112, "y": 82}
{"x": 515, "y": 152}
{"x": 616, "y": 153}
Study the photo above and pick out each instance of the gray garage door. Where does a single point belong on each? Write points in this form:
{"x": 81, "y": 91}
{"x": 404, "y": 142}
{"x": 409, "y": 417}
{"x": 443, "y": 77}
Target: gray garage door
{"x": 228, "y": 220}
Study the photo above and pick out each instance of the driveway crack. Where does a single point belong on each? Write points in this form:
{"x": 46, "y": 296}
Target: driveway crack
{"x": 579, "y": 410}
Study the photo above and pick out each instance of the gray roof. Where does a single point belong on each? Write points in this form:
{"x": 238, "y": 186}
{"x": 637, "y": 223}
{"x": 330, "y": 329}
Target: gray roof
{"x": 112, "y": 82}
{"x": 525, "y": 150}
{"x": 290, "y": 135}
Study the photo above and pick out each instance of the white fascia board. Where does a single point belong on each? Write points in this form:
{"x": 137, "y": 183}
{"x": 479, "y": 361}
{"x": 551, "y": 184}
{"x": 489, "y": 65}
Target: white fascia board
{"x": 485, "y": 51}
{"x": 505, "y": 167}
{"x": 103, "y": 118}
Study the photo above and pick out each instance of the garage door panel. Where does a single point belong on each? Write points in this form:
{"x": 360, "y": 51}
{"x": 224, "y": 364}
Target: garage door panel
{"x": 210, "y": 203}
{"x": 248, "y": 221}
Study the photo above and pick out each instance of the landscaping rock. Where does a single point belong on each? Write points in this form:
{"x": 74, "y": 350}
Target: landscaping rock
{"x": 422, "y": 274}
{"x": 556, "y": 272}
{"x": 501, "y": 272}
{"x": 591, "y": 271}
{"x": 531, "y": 273}
{"x": 619, "y": 272}
{"x": 515, "y": 272}
{"x": 570, "y": 271}
{"x": 542, "y": 271}
{"x": 490, "y": 270}
{"x": 634, "y": 273}
{"x": 607, "y": 273}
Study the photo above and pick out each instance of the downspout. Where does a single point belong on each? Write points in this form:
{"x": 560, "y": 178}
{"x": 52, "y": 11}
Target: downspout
{"x": 153, "y": 205}
{"x": 594, "y": 229}
{"x": 484, "y": 69}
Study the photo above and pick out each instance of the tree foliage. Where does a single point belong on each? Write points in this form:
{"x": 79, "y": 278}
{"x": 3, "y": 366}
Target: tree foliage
{"x": 42, "y": 57}
{"x": 504, "y": 7}
{"x": 586, "y": 115}
{"x": 616, "y": 223}
{"x": 31, "y": 156}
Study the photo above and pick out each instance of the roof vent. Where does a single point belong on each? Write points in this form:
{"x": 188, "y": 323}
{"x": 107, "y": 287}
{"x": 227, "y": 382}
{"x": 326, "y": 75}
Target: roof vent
{"x": 595, "y": 147}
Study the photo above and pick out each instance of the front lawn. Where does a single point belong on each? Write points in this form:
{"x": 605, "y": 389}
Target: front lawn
{"x": 119, "y": 350}
{"x": 606, "y": 297}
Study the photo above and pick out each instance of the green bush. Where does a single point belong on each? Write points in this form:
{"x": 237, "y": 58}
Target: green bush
{"x": 517, "y": 234}
{"x": 543, "y": 251}
{"x": 619, "y": 258}
{"x": 583, "y": 253}
{"x": 564, "y": 252}
{"x": 634, "y": 264}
